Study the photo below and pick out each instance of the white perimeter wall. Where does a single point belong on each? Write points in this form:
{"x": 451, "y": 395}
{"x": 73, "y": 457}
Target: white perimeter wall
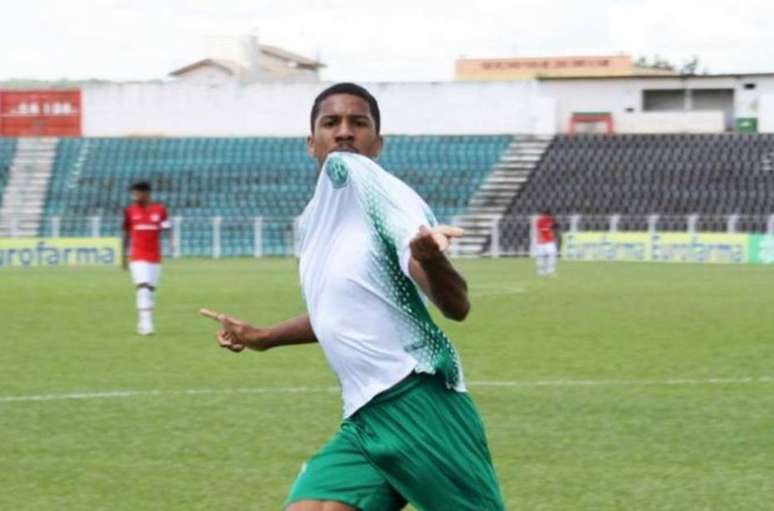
{"x": 766, "y": 114}
{"x": 184, "y": 109}
{"x": 674, "y": 122}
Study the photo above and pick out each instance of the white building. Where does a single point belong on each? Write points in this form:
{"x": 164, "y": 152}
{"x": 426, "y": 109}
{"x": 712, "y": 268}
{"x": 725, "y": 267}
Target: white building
{"x": 658, "y": 104}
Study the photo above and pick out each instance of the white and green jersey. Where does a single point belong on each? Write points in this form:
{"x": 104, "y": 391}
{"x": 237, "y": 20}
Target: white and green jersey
{"x": 366, "y": 311}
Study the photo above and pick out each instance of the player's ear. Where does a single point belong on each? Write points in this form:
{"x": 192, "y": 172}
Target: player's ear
{"x": 380, "y": 146}
{"x": 310, "y": 145}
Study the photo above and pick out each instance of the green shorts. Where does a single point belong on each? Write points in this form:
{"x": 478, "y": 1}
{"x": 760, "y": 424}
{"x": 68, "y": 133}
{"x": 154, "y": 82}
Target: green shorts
{"x": 418, "y": 442}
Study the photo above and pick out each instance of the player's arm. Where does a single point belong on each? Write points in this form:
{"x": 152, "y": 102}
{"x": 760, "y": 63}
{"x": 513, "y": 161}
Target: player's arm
{"x": 236, "y": 335}
{"x": 125, "y": 251}
{"x": 434, "y": 273}
{"x": 171, "y": 240}
{"x": 557, "y": 233}
{"x": 125, "y": 242}
{"x": 166, "y": 226}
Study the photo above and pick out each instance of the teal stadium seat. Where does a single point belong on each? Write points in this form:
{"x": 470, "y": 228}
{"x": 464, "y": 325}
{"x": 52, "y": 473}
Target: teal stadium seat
{"x": 7, "y": 152}
{"x": 243, "y": 178}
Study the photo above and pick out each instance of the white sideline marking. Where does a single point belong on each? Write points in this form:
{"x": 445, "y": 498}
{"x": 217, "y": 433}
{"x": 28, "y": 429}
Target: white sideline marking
{"x": 623, "y": 383}
{"x": 145, "y": 393}
{"x": 498, "y": 292}
{"x": 302, "y": 390}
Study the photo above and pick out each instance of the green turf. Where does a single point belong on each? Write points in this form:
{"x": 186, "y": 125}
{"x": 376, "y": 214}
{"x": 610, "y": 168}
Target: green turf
{"x": 615, "y": 445}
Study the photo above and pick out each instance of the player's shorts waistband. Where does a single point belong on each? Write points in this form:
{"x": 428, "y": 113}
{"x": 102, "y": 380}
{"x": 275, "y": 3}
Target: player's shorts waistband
{"x": 403, "y": 386}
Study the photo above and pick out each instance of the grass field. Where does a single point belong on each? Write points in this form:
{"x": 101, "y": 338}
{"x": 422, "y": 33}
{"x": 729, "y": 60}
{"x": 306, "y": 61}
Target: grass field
{"x": 614, "y": 387}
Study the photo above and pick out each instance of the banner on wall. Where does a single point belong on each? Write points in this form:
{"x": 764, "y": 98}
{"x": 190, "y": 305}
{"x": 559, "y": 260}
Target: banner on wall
{"x": 668, "y": 247}
{"x": 23, "y": 252}
{"x": 40, "y": 113}
{"x": 761, "y": 249}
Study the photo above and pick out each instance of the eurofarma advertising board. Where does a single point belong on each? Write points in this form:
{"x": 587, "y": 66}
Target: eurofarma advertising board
{"x": 28, "y": 252}
{"x": 668, "y": 247}
{"x": 761, "y": 249}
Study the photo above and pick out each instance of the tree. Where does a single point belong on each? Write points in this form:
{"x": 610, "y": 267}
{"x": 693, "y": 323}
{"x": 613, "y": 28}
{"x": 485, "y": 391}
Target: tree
{"x": 689, "y": 66}
{"x": 654, "y": 62}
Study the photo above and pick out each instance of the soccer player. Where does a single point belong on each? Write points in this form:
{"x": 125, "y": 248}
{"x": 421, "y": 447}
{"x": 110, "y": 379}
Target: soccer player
{"x": 143, "y": 223}
{"x": 371, "y": 256}
{"x": 546, "y": 243}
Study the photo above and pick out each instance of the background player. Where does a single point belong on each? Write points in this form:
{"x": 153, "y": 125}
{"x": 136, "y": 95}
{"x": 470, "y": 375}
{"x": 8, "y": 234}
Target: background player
{"x": 143, "y": 222}
{"x": 547, "y": 238}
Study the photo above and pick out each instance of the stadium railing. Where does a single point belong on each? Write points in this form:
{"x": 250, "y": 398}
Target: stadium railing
{"x": 215, "y": 236}
{"x": 229, "y": 236}
{"x": 514, "y": 235}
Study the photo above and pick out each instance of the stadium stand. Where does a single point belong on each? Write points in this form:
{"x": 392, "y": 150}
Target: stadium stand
{"x": 639, "y": 175}
{"x": 239, "y": 179}
{"x": 7, "y": 152}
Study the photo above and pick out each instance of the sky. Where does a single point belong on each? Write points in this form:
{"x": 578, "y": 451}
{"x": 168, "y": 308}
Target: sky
{"x": 366, "y": 40}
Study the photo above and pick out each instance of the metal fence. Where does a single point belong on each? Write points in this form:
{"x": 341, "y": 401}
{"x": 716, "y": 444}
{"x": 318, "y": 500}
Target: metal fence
{"x": 271, "y": 236}
{"x": 219, "y": 236}
{"x": 514, "y": 235}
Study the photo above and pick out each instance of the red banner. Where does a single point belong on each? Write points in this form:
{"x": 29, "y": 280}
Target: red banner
{"x": 49, "y": 113}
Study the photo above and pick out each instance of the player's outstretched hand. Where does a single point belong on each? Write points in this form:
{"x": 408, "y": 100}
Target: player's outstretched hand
{"x": 431, "y": 243}
{"x": 235, "y": 334}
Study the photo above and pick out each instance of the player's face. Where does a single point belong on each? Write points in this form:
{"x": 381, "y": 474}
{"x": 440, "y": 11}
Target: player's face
{"x": 344, "y": 123}
{"x": 140, "y": 197}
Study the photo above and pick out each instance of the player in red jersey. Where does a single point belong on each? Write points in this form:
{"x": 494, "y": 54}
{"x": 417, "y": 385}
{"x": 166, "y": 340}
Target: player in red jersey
{"x": 546, "y": 243}
{"x": 143, "y": 223}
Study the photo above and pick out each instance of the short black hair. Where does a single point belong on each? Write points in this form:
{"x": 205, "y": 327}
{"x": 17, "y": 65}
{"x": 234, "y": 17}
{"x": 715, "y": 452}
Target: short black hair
{"x": 352, "y": 89}
{"x": 140, "y": 186}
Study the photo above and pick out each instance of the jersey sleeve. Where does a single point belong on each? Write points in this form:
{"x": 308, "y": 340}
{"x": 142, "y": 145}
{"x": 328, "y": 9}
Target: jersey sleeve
{"x": 393, "y": 209}
{"x": 417, "y": 214}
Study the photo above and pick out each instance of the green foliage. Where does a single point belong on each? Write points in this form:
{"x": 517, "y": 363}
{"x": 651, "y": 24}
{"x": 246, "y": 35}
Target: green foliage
{"x": 688, "y": 66}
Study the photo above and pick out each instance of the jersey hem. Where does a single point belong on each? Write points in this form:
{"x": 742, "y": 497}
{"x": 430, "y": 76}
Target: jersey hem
{"x": 372, "y": 393}
{"x": 386, "y": 393}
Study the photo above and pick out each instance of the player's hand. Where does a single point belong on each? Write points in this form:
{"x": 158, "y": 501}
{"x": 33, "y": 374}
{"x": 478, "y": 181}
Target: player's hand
{"x": 227, "y": 340}
{"x": 429, "y": 244}
{"x": 124, "y": 263}
{"x": 235, "y": 334}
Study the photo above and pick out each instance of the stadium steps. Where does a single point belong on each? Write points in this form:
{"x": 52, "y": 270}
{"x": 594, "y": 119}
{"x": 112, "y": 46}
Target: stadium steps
{"x": 21, "y": 207}
{"x": 495, "y": 195}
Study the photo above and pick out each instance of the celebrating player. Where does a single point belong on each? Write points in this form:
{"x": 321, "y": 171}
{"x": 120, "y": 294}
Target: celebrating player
{"x": 546, "y": 248}
{"x": 371, "y": 252}
{"x": 143, "y": 222}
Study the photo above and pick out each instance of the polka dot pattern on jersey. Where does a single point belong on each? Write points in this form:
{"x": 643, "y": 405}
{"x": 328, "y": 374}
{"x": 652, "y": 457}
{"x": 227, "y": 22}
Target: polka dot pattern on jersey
{"x": 420, "y": 336}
